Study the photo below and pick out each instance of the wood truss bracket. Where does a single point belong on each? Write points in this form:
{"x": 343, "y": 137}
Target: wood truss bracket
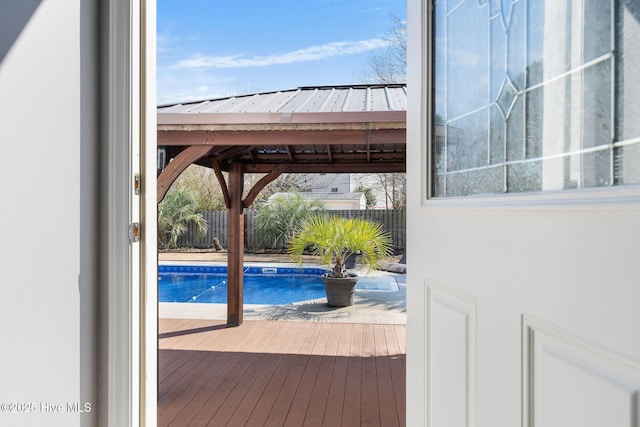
{"x": 215, "y": 164}
{"x": 178, "y": 165}
{"x": 257, "y": 188}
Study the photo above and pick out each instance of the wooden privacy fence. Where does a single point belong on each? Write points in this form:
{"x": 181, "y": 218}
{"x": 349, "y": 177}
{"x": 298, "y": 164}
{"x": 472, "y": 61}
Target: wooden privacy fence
{"x": 393, "y": 221}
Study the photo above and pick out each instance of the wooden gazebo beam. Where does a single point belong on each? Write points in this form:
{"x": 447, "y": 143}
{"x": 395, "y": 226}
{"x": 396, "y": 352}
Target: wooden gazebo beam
{"x": 247, "y": 121}
{"x": 347, "y": 167}
{"x": 289, "y": 137}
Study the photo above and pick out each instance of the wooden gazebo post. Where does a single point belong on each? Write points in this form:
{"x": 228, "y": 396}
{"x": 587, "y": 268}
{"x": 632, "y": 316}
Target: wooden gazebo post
{"x": 235, "y": 258}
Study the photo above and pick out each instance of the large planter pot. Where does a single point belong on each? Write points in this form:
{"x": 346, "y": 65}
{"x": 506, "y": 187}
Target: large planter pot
{"x": 340, "y": 290}
{"x": 351, "y": 260}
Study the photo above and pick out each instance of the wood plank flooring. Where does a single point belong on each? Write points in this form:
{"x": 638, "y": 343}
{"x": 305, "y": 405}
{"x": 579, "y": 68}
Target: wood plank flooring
{"x": 281, "y": 374}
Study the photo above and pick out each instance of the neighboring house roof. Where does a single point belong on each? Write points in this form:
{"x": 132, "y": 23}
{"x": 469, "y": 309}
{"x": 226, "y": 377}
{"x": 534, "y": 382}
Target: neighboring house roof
{"x": 322, "y": 196}
{"x": 330, "y": 201}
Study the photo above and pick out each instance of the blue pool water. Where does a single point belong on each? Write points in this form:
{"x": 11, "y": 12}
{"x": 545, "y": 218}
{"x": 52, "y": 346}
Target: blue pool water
{"x": 262, "y": 285}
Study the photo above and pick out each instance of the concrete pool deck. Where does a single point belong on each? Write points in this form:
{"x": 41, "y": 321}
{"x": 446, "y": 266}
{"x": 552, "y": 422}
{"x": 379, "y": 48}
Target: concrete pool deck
{"x": 374, "y": 307}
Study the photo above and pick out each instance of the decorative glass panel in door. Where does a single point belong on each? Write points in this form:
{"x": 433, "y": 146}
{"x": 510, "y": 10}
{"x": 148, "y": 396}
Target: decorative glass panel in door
{"x": 535, "y": 95}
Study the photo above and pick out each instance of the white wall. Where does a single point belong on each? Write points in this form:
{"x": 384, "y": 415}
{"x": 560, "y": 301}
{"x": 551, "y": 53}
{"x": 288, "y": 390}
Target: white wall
{"x": 345, "y": 204}
{"x": 48, "y": 258}
{"x": 325, "y": 183}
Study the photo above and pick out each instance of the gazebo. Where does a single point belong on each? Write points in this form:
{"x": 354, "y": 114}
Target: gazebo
{"x": 326, "y": 129}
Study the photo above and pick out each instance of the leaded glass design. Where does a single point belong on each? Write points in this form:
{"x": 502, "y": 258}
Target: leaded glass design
{"x": 535, "y": 95}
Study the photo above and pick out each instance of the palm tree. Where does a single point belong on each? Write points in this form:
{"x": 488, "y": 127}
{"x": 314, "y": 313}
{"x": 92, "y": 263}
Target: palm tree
{"x": 174, "y": 214}
{"x": 334, "y": 239}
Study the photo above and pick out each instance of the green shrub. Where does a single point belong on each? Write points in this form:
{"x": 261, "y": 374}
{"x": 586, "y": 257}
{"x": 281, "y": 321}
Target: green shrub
{"x": 278, "y": 220}
{"x": 174, "y": 214}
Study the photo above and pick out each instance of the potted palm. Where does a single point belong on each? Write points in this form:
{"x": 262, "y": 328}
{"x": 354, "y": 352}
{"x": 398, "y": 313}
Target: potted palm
{"x": 334, "y": 239}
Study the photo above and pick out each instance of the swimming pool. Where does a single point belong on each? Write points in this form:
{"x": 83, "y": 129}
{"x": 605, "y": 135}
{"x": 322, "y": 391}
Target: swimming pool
{"x": 262, "y": 285}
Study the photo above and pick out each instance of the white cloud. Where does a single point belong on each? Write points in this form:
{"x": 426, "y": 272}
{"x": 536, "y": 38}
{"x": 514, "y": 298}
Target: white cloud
{"x": 312, "y": 53}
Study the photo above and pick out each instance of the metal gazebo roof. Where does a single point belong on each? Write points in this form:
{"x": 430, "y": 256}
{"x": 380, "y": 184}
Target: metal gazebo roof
{"x": 311, "y": 99}
{"x": 358, "y": 128}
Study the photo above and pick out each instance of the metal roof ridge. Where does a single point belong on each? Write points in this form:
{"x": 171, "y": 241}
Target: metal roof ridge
{"x": 244, "y": 100}
{"x": 223, "y": 98}
{"x": 265, "y": 100}
{"x": 386, "y": 97}
{"x": 326, "y": 100}
{"x": 172, "y": 107}
{"x": 355, "y": 86}
{"x": 347, "y": 98}
{"x": 198, "y": 105}
{"x": 222, "y": 102}
{"x": 285, "y": 101}
{"x": 306, "y": 101}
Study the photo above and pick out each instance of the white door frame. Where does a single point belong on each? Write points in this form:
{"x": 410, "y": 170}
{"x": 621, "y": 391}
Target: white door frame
{"x": 128, "y": 335}
{"x": 418, "y": 114}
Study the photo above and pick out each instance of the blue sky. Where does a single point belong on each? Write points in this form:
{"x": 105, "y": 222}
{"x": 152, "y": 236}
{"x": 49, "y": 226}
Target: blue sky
{"x": 212, "y": 48}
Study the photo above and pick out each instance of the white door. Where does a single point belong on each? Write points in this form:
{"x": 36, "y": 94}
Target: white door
{"x": 524, "y": 212}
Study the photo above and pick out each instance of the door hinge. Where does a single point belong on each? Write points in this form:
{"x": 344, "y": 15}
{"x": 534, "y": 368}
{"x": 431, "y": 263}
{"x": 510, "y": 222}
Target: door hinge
{"x": 134, "y": 232}
{"x": 136, "y": 184}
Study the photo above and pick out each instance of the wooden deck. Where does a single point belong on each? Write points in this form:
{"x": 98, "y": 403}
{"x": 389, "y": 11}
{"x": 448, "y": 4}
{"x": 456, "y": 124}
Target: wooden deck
{"x": 281, "y": 374}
